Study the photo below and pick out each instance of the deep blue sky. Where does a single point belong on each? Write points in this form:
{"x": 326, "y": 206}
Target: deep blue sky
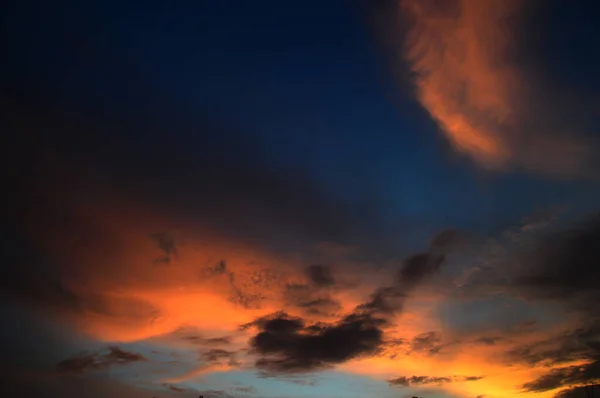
{"x": 306, "y": 78}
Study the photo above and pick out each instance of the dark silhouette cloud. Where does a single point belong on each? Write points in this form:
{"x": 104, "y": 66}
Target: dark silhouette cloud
{"x": 430, "y": 342}
{"x": 491, "y": 340}
{"x": 385, "y": 300}
{"x": 564, "y": 267}
{"x": 582, "y": 344}
{"x": 209, "y": 341}
{"x": 321, "y": 306}
{"x": 217, "y": 354}
{"x": 564, "y": 270}
{"x": 565, "y": 377}
{"x": 414, "y": 270}
{"x": 320, "y": 275}
{"x": 174, "y": 388}
{"x": 166, "y": 243}
{"x": 315, "y": 297}
{"x": 417, "y": 267}
{"x": 97, "y": 361}
{"x": 404, "y": 381}
{"x": 578, "y": 392}
{"x": 287, "y": 344}
{"x": 448, "y": 239}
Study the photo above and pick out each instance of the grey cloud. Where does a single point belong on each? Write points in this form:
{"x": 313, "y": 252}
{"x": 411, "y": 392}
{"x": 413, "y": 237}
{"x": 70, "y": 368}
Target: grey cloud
{"x": 320, "y": 275}
{"x": 430, "y": 342}
{"x": 166, "y": 243}
{"x": 97, "y": 361}
{"x": 217, "y": 354}
{"x": 578, "y": 392}
{"x": 174, "y": 388}
{"x": 404, "y": 381}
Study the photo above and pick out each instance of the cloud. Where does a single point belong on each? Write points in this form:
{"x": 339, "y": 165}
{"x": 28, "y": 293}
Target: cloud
{"x": 320, "y": 275}
{"x": 413, "y": 271}
{"x": 97, "y": 361}
{"x": 321, "y": 306}
{"x": 558, "y": 267}
{"x": 404, "y": 381}
{"x": 217, "y": 354}
{"x": 563, "y": 267}
{"x": 577, "y": 392}
{"x": 209, "y": 341}
{"x": 287, "y": 344}
{"x": 174, "y": 388}
{"x": 567, "y": 376}
{"x": 417, "y": 267}
{"x": 475, "y": 76}
{"x": 316, "y": 296}
{"x": 166, "y": 244}
{"x": 448, "y": 239}
{"x": 430, "y": 342}
{"x": 489, "y": 340}
{"x": 580, "y": 346}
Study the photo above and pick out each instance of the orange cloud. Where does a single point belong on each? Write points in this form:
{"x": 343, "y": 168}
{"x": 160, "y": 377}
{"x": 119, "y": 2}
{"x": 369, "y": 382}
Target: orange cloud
{"x": 468, "y": 78}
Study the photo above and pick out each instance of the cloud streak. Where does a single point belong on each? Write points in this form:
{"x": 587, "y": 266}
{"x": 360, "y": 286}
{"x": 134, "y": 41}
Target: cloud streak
{"x": 97, "y": 361}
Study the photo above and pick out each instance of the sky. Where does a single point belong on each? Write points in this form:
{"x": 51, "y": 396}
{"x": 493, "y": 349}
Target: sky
{"x": 335, "y": 198}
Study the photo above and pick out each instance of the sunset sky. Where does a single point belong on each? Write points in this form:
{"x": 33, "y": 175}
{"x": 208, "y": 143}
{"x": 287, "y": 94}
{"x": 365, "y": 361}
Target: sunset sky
{"x": 294, "y": 199}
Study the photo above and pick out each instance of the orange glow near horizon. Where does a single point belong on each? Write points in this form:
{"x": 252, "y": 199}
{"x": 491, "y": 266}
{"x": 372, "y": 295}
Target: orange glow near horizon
{"x": 144, "y": 300}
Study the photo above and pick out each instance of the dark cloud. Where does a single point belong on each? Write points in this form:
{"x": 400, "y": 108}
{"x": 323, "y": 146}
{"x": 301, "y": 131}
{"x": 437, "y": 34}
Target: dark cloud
{"x": 491, "y": 340}
{"x": 563, "y": 270}
{"x": 565, "y": 377}
{"x": 320, "y": 275}
{"x": 564, "y": 267}
{"x": 414, "y": 270}
{"x": 287, "y": 344}
{"x": 314, "y": 298}
{"x": 404, "y": 381}
{"x": 217, "y": 354}
{"x": 321, "y": 306}
{"x": 246, "y": 389}
{"x": 215, "y": 394}
{"x": 225, "y": 340}
{"x": 430, "y": 342}
{"x": 448, "y": 239}
{"x": 582, "y": 345}
{"x": 579, "y": 392}
{"x": 97, "y": 361}
{"x": 166, "y": 243}
{"x": 385, "y": 300}
{"x": 218, "y": 340}
{"x": 174, "y": 388}
{"x": 417, "y": 267}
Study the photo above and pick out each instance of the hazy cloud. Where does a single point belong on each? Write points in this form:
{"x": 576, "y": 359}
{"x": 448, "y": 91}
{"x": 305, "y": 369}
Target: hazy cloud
{"x": 97, "y": 361}
{"x": 404, "y": 381}
{"x": 320, "y": 275}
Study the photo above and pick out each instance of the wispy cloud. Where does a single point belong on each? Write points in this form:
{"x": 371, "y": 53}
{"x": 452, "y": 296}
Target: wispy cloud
{"x": 470, "y": 77}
